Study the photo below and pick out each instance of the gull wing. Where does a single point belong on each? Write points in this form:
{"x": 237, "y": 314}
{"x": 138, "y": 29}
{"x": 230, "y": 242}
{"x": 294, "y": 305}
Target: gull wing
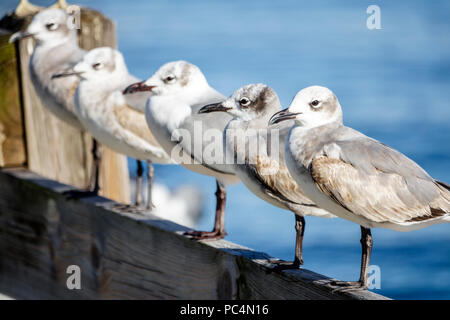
{"x": 205, "y": 145}
{"x": 133, "y": 129}
{"x": 268, "y": 165}
{"x": 381, "y": 184}
{"x": 134, "y": 122}
{"x": 278, "y": 183}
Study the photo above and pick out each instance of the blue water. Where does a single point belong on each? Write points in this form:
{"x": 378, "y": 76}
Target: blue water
{"x": 393, "y": 84}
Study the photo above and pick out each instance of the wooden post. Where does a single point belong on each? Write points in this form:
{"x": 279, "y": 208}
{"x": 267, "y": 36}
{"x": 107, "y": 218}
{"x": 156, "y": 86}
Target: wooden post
{"x": 54, "y": 149}
{"x": 12, "y": 141}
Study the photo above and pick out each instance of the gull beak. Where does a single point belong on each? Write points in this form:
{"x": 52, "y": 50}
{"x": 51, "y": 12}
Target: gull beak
{"x": 19, "y": 35}
{"x": 67, "y": 73}
{"x": 137, "y": 87}
{"x": 215, "y": 107}
{"x": 282, "y": 115}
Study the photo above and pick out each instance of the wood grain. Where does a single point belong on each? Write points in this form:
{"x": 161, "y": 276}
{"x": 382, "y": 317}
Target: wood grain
{"x": 127, "y": 256}
{"x": 12, "y": 141}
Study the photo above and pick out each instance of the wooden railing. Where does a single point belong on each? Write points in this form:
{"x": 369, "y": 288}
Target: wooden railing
{"x": 127, "y": 255}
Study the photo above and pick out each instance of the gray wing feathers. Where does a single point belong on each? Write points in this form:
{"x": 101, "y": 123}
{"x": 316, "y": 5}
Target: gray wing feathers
{"x": 378, "y": 182}
{"x": 268, "y": 166}
{"x": 213, "y": 123}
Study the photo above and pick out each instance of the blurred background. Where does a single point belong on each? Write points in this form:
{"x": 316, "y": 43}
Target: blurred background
{"x": 393, "y": 85}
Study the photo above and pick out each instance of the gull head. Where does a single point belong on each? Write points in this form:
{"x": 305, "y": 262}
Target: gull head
{"x": 104, "y": 66}
{"x": 248, "y": 102}
{"x": 311, "y": 107}
{"x": 178, "y": 78}
{"x": 49, "y": 27}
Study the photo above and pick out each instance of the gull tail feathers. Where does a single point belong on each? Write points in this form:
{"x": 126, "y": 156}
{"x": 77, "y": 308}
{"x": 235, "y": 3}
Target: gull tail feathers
{"x": 445, "y": 193}
{"x": 443, "y": 184}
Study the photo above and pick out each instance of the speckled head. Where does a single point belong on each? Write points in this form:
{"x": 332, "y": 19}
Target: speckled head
{"x": 102, "y": 64}
{"x": 249, "y": 102}
{"x": 178, "y": 77}
{"x": 51, "y": 27}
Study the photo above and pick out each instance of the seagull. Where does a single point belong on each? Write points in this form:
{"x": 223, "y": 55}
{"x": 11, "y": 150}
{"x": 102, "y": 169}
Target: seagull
{"x": 179, "y": 89}
{"x": 356, "y": 177}
{"x": 263, "y": 170}
{"x": 57, "y": 50}
{"x": 108, "y": 116}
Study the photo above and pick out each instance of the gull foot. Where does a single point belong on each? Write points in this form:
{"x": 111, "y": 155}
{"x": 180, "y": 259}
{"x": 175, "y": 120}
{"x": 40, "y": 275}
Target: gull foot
{"x": 149, "y": 207}
{"x": 348, "y": 286}
{"x": 205, "y": 235}
{"x": 130, "y": 209}
{"x": 281, "y": 265}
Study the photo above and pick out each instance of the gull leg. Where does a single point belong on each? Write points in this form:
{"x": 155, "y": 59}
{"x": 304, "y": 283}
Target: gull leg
{"x": 221, "y": 198}
{"x": 94, "y": 185}
{"x": 298, "y": 257}
{"x": 366, "y": 246}
{"x": 150, "y": 174}
{"x": 97, "y": 158}
{"x": 139, "y": 172}
{"x": 138, "y": 198}
{"x": 219, "y": 224}
{"x": 133, "y": 208}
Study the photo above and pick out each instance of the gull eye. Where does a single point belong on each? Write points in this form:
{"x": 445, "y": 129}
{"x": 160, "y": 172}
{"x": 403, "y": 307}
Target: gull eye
{"x": 51, "y": 26}
{"x": 315, "y": 103}
{"x": 244, "y": 102}
{"x": 97, "y": 66}
{"x": 169, "y": 79}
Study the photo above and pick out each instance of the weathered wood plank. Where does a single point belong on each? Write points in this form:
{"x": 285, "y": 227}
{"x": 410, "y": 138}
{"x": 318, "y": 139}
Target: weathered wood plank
{"x": 126, "y": 256}
{"x": 53, "y": 148}
{"x": 12, "y": 142}
{"x": 96, "y": 30}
